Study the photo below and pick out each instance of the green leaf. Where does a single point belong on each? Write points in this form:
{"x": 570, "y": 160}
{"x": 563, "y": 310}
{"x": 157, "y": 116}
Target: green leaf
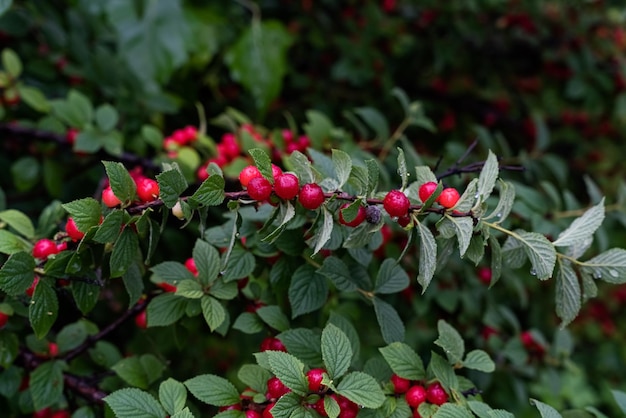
{"x": 609, "y": 266}
{"x": 11, "y": 244}
{"x": 391, "y": 326}
{"x": 427, "y": 256}
{"x": 303, "y": 343}
{"x": 241, "y": 263}
{"x": 172, "y": 272}
{"x": 450, "y": 341}
{"x": 263, "y": 162}
{"x": 349, "y": 330}
{"x": 289, "y": 370}
{"x": 43, "y": 308}
{"x": 258, "y": 60}
{"x": 106, "y": 117}
{"x": 362, "y": 389}
{"x": 5, "y": 5}
{"x": 331, "y": 407}
{"x": 479, "y": 360}
{"x": 19, "y": 222}
{"x": 487, "y": 178}
{"x": 336, "y": 351}
{"x": 248, "y": 323}
{"x": 289, "y": 406}
{"x": 404, "y": 361}
{"x": 568, "y": 293}
{"x": 165, "y": 309}
{"x": 324, "y": 232}
{"x": 318, "y": 128}
{"x": 213, "y": 390}
{"x": 11, "y": 63}
{"x": 450, "y": 410}
{"x": 505, "y": 202}
{"x": 286, "y": 212}
{"x": 86, "y": 213}
{"x": 343, "y": 165}
{"x": 463, "y": 228}
{"x": 391, "y": 278}
{"x": 134, "y": 403}
{"x": 302, "y": 167}
{"x": 274, "y": 317}
{"x": 213, "y": 312}
{"x": 539, "y": 250}
{"x": 443, "y": 371}
{"x": 186, "y": 413}
{"x": 171, "y": 184}
{"x": 307, "y": 291}
{"x": 254, "y": 376}
{"x": 81, "y": 106}
{"x": 139, "y": 371}
{"x": 16, "y": 274}
{"x": 402, "y": 169}
{"x": 207, "y": 261}
{"x": 9, "y": 348}
{"x": 124, "y": 252}
{"x": 189, "y": 289}
{"x": 582, "y": 227}
{"x": 620, "y": 399}
{"x": 86, "y": 295}
{"x": 110, "y": 228}
{"x": 152, "y": 135}
{"x": 546, "y": 411}
{"x": 46, "y": 384}
{"x": 121, "y": 182}
{"x": 133, "y": 282}
{"x": 72, "y": 335}
{"x": 375, "y": 120}
{"x": 34, "y": 98}
{"x": 373, "y": 175}
{"x": 337, "y": 272}
{"x": 210, "y": 192}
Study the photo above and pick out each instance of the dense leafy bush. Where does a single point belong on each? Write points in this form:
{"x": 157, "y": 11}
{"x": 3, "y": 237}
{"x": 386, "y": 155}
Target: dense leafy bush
{"x": 295, "y": 208}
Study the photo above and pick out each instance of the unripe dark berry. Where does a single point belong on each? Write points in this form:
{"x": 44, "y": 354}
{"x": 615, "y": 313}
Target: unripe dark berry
{"x": 400, "y": 384}
{"x": 147, "y": 189}
{"x": 260, "y": 189}
{"x": 276, "y": 388}
{"x": 448, "y": 197}
{"x": 403, "y": 221}
{"x": 358, "y": 220}
{"x": 416, "y": 395}
{"x": 484, "y": 275}
{"x": 315, "y": 376}
{"x": 72, "y": 230}
{"x": 286, "y": 186}
{"x": 311, "y": 196}
{"x": 61, "y": 414}
{"x": 44, "y": 247}
{"x": 248, "y": 173}
{"x": 426, "y": 190}
{"x": 372, "y": 214}
{"x": 396, "y": 203}
{"x": 109, "y": 199}
{"x": 435, "y": 394}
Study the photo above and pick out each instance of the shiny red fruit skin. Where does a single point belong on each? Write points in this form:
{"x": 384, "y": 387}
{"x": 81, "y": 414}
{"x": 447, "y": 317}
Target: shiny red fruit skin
{"x": 44, "y": 247}
{"x": 252, "y": 414}
{"x": 484, "y": 275}
{"x": 286, "y": 186}
{"x": 267, "y": 412}
{"x": 147, "y": 189}
{"x": 400, "y": 384}
{"x": 273, "y": 344}
{"x": 259, "y": 189}
{"x": 167, "y": 287}
{"x": 248, "y": 173}
{"x": 416, "y": 395}
{"x": 358, "y": 220}
{"x": 190, "y": 264}
{"x": 109, "y": 199}
{"x": 4, "y": 318}
{"x": 435, "y": 394}
{"x": 141, "y": 320}
{"x": 315, "y": 376}
{"x": 72, "y": 230}
{"x": 61, "y": 414}
{"x": 396, "y": 203}
{"x": 276, "y": 171}
{"x": 311, "y": 196}
{"x": 29, "y": 292}
{"x": 426, "y": 190}
{"x": 53, "y": 349}
{"x": 448, "y": 197}
{"x": 276, "y": 388}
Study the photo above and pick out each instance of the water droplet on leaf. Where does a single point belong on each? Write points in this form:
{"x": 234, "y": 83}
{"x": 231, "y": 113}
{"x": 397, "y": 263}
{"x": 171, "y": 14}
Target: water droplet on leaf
{"x": 613, "y": 273}
{"x": 533, "y": 272}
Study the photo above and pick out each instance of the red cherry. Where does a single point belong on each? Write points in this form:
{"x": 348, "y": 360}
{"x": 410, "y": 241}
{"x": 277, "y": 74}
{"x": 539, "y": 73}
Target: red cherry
{"x": 396, "y": 203}
{"x": 276, "y": 388}
{"x": 358, "y": 220}
{"x": 191, "y": 133}
{"x": 426, "y": 190}
{"x": 484, "y": 275}
{"x": 267, "y": 412}
{"x": 311, "y": 196}
{"x": 273, "y": 344}
{"x": 436, "y": 394}
{"x": 416, "y": 413}
{"x": 201, "y": 173}
{"x": 141, "y": 320}
{"x": 61, "y": 414}
{"x": 318, "y": 406}
{"x": 44, "y": 248}
{"x": 315, "y": 376}
{"x": 286, "y": 186}
{"x": 179, "y": 137}
{"x": 259, "y": 189}
{"x": 400, "y": 384}
{"x": 43, "y": 413}
{"x": 252, "y": 414}
{"x": 287, "y": 135}
{"x": 248, "y": 173}
{"x": 72, "y": 230}
{"x": 416, "y": 395}
{"x": 53, "y": 349}
{"x": 29, "y": 292}
{"x": 167, "y": 287}
{"x": 448, "y": 197}
{"x": 403, "y": 221}
{"x": 348, "y": 409}
{"x": 109, "y": 199}
{"x": 71, "y": 135}
{"x": 147, "y": 189}
{"x": 4, "y": 318}
{"x": 276, "y": 171}
{"x": 190, "y": 264}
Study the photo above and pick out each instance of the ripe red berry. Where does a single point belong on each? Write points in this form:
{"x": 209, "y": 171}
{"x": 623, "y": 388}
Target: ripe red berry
{"x": 109, "y": 199}
{"x": 233, "y": 407}
{"x": 416, "y": 395}
{"x": 252, "y": 414}
{"x": 286, "y": 186}
{"x": 318, "y": 407}
{"x": 72, "y": 230}
{"x": 44, "y": 247}
{"x": 190, "y": 264}
{"x": 141, "y": 320}
{"x": 43, "y": 413}
{"x": 167, "y": 287}
{"x": 61, "y": 414}
{"x": 358, "y": 220}
{"x": 435, "y": 394}
{"x": 4, "y": 318}
{"x": 179, "y": 136}
{"x": 71, "y": 135}
{"x": 260, "y": 189}
{"x": 448, "y": 197}
{"x": 315, "y": 376}
{"x": 400, "y": 384}
{"x": 403, "y": 221}
{"x": 416, "y": 414}
{"x": 348, "y": 409}
{"x": 248, "y": 173}
{"x": 396, "y": 203}
{"x": 276, "y": 171}
{"x": 311, "y": 196}
{"x": 29, "y": 292}
{"x": 267, "y": 412}
{"x": 426, "y": 190}
{"x": 53, "y": 349}
{"x": 191, "y": 133}
{"x": 276, "y": 388}
{"x": 484, "y": 275}
{"x": 273, "y": 344}
{"x": 147, "y": 189}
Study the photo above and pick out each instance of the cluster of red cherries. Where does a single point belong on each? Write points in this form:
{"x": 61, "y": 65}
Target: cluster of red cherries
{"x": 415, "y": 393}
